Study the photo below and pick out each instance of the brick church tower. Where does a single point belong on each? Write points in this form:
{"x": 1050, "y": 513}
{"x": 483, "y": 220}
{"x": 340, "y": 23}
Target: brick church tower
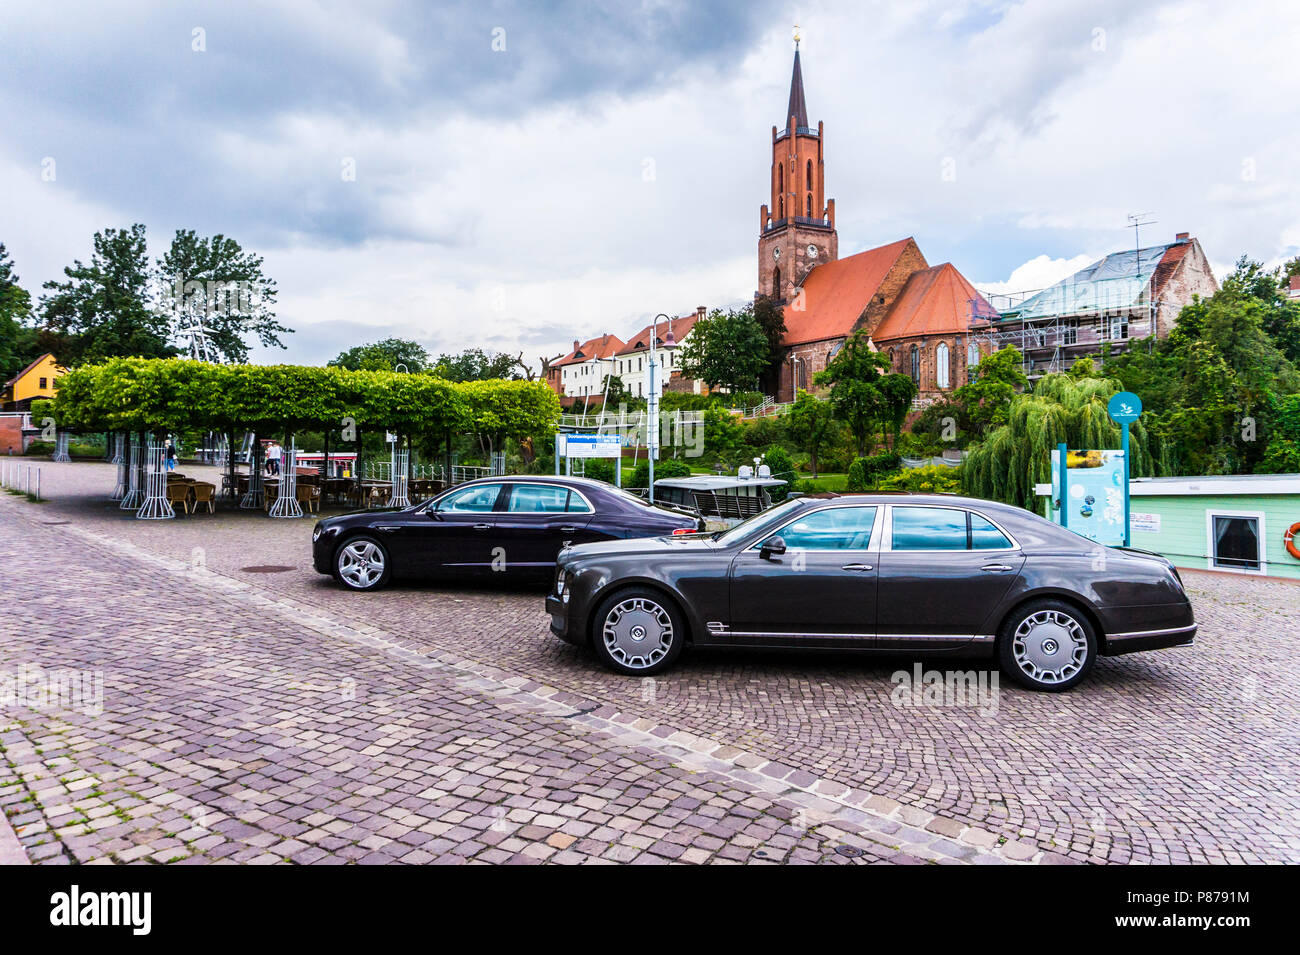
{"x": 797, "y": 231}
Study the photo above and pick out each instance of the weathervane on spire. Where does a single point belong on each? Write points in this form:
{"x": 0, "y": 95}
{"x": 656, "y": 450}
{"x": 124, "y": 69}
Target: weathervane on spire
{"x": 796, "y": 36}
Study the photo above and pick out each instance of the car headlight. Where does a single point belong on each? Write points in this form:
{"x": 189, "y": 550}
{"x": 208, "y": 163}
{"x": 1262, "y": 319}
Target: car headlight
{"x": 559, "y": 581}
{"x": 315, "y": 533}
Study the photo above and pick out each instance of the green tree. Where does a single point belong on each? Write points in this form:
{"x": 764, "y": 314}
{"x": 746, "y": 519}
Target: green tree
{"x": 811, "y": 426}
{"x": 863, "y": 396}
{"x": 474, "y": 364}
{"x": 105, "y": 309}
{"x": 214, "y": 283}
{"x": 726, "y": 350}
{"x": 985, "y": 401}
{"x": 384, "y": 355}
{"x": 17, "y": 339}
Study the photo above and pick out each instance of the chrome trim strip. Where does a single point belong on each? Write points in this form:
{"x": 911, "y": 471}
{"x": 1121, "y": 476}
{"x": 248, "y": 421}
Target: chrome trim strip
{"x": 970, "y": 637}
{"x": 1150, "y": 633}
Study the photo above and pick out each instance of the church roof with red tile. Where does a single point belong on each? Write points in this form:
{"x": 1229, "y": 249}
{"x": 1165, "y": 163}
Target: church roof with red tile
{"x": 834, "y": 295}
{"x": 935, "y": 301}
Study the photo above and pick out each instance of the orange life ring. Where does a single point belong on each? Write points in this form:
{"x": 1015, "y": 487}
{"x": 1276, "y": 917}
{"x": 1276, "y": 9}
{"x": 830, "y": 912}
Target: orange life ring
{"x": 1289, "y": 540}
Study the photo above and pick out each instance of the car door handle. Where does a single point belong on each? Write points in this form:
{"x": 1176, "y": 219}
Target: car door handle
{"x": 482, "y": 527}
{"x": 996, "y": 568}
{"x": 856, "y": 567}
{"x": 568, "y": 529}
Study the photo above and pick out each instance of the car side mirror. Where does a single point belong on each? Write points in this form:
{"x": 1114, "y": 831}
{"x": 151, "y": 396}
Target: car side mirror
{"x": 772, "y": 547}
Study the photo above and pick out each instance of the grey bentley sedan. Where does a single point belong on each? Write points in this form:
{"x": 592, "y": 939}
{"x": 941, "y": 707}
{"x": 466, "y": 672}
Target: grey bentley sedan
{"x": 898, "y": 573}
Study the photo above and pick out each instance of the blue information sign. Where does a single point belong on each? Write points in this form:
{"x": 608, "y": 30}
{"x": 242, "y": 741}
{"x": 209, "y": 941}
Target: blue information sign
{"x": 1124, "y": 407}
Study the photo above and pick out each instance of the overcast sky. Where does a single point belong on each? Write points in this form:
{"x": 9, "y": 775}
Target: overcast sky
{"x": 529, "y": 173}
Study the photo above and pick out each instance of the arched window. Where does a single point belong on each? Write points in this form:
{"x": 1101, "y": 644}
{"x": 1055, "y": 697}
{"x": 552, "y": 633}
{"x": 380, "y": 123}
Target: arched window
{"x": 776, "y": 282}
{"x": 781, "y": 207}
{"x": 972, "y": 357}
{"x": 941, "y": 365}
{"x": 780, "y": 179}
{"x": 809, "y": 206}
{"x": 808, "y": 183}
{"x": 916, "y": 365}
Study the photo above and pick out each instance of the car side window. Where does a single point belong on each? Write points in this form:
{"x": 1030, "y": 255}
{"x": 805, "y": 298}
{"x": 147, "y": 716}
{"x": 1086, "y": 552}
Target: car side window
{"x": 538, "y": 499}
{"x": 835, "y": 528}
{"x": 474, "y": 499}
{"x": 578, "y": 504}
{"x": 929, "y": 528}
{"x": 984, "y": 536}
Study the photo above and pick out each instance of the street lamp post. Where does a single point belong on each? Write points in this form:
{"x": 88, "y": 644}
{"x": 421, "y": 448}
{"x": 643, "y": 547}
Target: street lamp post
{"x": 652, "y": 405}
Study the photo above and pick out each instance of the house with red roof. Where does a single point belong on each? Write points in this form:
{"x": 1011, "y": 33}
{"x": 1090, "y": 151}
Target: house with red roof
{"x": 582, "y": 372}
{"x": 632, "y": 361}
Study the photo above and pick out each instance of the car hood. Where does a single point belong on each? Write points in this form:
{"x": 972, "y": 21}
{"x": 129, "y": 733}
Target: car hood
{"x": 681, "y": 544}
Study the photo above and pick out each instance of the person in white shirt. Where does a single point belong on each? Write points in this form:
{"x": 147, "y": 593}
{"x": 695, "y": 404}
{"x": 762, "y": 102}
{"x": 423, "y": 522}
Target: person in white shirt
{"x": 273, "y": 458}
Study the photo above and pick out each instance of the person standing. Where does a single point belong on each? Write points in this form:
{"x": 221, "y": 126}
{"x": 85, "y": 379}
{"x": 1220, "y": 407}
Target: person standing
{"x": 169, "y": 453}
{"x": 273, "y": 457}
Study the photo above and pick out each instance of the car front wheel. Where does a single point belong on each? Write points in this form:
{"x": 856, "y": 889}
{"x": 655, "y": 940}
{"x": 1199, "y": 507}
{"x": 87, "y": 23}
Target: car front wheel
{"x": 1047, "y": 645}
{"x": 362, "y": 564}
{"x": 638, "y": 631}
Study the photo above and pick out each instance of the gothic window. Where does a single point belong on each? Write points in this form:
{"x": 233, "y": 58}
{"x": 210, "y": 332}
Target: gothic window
{"x": 972, "y": 355}
{"x": 916, "y": 365}
{"x": 780, "y": 180}
{"x": 809, "y": 182}
{"x": 941, "y": 365}
{"x": 809, "y": 206}
{"x": 781, "y": 207}
{"x": 776, "y": 283}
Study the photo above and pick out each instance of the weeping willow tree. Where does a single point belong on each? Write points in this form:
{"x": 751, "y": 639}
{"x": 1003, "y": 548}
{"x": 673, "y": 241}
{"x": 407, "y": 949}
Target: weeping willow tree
{"x": 1061, "y": 408}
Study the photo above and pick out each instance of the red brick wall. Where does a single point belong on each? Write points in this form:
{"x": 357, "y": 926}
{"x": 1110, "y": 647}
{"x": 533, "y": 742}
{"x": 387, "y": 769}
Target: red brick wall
{"x": 11, "y": 434}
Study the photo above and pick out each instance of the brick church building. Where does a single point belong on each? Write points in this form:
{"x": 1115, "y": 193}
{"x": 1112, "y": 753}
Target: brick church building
{"x": 919, "y": 314}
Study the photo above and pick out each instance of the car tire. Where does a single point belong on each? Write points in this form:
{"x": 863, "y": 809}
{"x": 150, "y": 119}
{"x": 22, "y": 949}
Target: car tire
{"x": 638, "y": 631}
{"x": 362, "y": 563}
{"x": 1047, "y": 645}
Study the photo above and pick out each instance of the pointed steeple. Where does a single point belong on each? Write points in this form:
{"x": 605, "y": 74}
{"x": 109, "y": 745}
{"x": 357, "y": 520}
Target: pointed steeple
{"x": 798, "y": 107}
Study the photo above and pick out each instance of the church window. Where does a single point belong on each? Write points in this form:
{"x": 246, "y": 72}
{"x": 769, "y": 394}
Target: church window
{"x": 809, "y": 206}
{"x": 776, "y": 283}
{"x": 972, "y": 355}
{"x": 781, "y": 207}
{"x": 780, "y": 179}
{"x": 916, "y": 365}
{"x": 809, "y": 182}
{"x": 941, "y": 365}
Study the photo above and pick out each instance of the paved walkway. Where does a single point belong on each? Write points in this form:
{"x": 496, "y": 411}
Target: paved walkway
{"x": 1189, "y": 755}
{"x": 231, "y": 724}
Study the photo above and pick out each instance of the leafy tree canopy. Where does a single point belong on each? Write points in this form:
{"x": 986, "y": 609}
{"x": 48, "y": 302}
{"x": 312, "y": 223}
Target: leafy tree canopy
{"x": 863, "y": 396}
{"x": 727, "y": 350}
{"x": 384, "y": 355}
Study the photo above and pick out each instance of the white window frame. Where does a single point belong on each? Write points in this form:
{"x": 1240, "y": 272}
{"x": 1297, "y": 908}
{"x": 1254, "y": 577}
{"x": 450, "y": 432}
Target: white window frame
{"x": 942, "y": 365}
{"x": 1210, "y": 514}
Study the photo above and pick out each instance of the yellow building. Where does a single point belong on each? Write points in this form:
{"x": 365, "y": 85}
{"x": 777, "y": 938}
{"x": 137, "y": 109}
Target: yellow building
{"x": 35, "y": 381}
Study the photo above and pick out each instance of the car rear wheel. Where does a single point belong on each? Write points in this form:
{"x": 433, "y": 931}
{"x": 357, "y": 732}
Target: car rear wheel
{"x": 1047, "y": 645}
{"x": 638, "y": 631}
{"x": 362, "y": 564}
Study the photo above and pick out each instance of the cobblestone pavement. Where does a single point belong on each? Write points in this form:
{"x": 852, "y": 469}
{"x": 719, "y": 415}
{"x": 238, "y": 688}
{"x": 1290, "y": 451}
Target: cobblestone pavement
{"x": 1186, "y": 755}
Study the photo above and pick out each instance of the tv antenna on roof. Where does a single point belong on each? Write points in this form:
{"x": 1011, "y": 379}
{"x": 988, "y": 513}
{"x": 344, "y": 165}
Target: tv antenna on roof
{"x": 1136, "y": 221}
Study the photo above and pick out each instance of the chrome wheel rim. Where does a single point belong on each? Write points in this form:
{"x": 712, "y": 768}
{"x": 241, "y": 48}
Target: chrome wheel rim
{"x": 638, "y": 633}
{"x": 361, "y": 564}
{"x": 1050, "y": 646}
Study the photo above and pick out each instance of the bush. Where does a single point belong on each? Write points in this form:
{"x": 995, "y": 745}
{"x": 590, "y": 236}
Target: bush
{"x": 668, "y": 467}
{"x": 600, "y": 469}
{"x": 778, "y": 459}
{"x": 931, "y": 479}
{"x": 865, "y": 473}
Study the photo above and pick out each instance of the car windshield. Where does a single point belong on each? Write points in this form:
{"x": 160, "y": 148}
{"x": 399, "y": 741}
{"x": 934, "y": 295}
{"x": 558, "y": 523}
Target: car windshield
{"x": 768, "y": 518}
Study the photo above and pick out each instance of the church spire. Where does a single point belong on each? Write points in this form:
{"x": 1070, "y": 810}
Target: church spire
{"x": 798, "y": 107}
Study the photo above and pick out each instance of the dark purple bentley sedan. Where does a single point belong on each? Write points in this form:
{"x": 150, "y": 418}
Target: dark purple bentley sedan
{"x": 511, "y": 526}
{"x": 893, "y": 573}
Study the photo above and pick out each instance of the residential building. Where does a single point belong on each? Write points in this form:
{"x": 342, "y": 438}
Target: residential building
{"x": 582, "y": 372}
{"x": 35, "y": 381}
{"x": 1123, "y": 297}
{"x": 632, "y": 361}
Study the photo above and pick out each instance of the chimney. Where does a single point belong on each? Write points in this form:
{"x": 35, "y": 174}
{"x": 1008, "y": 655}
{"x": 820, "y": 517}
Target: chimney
{"x": 1182, "y": 237}
{"x": 699, "y": 311}
{"x": 576, "y": 343}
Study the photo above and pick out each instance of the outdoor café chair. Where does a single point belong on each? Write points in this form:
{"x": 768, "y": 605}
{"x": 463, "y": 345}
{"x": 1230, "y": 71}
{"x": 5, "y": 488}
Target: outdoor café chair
{"x": 178, "y": 492}
{"x": 309, "y": 494}
{"x": 204, "y": 493}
